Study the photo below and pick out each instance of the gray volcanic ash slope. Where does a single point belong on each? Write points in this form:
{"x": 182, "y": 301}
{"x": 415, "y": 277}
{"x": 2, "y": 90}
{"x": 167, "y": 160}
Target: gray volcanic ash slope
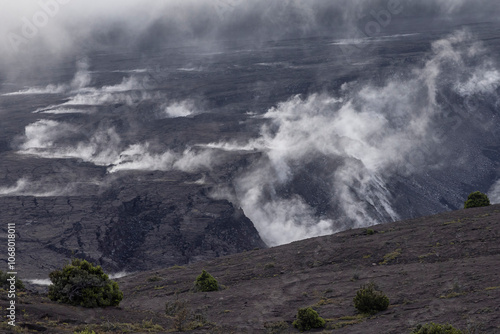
{"x": 442, "y": 269}
{"x": 141, "y": 157}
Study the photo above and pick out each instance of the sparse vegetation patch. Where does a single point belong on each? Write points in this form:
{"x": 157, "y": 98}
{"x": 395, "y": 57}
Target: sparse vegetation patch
{"x": 155, "y": 278}
{"x": 433, "y": 328}
{"x": 345, "y": 321}
{"x": 4, "y": 284}
{"x": 451, "y": 295}
{"x": 276, "y": 327}
{"x": 307, "y": 319}
{"x": 391, "y": 256}
{"x": 369, "y": 300}
{"x": 182, "y": 316}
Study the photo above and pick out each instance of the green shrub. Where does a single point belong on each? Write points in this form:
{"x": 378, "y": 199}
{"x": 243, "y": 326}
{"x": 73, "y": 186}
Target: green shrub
{"x": 433, "y": 328}
{"x": 369, "y": 300}
{"x": 307, "y": 319}
{"x": 85, "y": 331}
{"x": 4, "y": 284}
{"x": 155, "y": 278}
{"x": 206, "y": 282}
{"x": 276, "y": 327}
{"x": 477, "y": 199}
{"x": 81, "y": 283}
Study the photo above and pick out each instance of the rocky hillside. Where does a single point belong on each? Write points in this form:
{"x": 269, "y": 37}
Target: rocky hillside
{"x": 143, "y": 221}
{"x": 442, "y": 268}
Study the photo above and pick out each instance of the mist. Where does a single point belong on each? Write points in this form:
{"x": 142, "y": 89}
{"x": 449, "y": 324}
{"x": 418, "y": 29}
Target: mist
{"x": 366, "y": 135}
{"x": 319, "y": 142}
{"x": 37, "y": 188}
{"x": 38, "y": 33}
{"x": 104, "y": 147}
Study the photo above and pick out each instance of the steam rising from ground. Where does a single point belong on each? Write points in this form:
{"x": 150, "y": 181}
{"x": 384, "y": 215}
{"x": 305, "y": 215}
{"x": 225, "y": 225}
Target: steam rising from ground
{"x": 138, "y": 157}
{"x": 104, "y": 147}
{"x": 131, "y": 90}
{"x": 349, "y": 144}
{"x": 58, "y": 111}
{"x": 179, "y": 109}
{"x": 494, "y": 193}
{"x": 47, "y": 282}
{"x": 25, "y": 187}
{"x": 50, "y": 139}
{"x": 368, "y": 134}
{"x": 81, "y": 79}
{"x": 40, "y": 281}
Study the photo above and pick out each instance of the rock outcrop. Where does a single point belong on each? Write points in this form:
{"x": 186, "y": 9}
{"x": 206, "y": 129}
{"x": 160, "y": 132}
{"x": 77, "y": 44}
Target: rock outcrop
{"x": 143, "y": 221}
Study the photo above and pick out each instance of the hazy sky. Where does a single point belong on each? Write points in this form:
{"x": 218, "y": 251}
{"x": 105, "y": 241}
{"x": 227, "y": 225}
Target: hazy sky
{"x": 33, "y": 29}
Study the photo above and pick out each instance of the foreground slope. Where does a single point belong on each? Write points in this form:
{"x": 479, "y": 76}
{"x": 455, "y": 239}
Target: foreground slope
{"x": 443, "y": 268}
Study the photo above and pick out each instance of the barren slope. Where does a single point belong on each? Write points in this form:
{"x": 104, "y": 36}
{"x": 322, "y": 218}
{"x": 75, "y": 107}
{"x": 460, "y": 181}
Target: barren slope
{"x": 443, "y": 268}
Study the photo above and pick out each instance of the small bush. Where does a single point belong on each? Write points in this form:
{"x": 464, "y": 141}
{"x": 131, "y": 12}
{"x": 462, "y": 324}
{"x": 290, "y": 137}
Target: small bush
{"x": 206, "y": 282}
{"x": 4, "y": 284}
{"x": 172, "y": 308}
{"x": 476, "y": 199}
{"x": 155, "y": 278}
{"x": 307, "y": 319}
{"x": 85, "y": 331}
{"x": 433, "y": 328}
{"x": 151, "y": 326}
{"x": 269, "y": 265}
{"x": 276, "y": 327}
{"x": 181, "y": 319}
{"x": 81, "y": 283}
{"x": 369, "y": 300}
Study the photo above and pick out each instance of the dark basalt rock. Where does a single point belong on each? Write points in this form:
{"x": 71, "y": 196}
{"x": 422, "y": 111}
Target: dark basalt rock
{"x": 144, "y": 221}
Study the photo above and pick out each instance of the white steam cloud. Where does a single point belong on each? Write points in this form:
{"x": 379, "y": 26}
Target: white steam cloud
{"x": 138, "y": 157}
{"x": 56, "y": 28}
{"x": 81, "y": 80}
{"x": 49, "y": 139}
{"x": 49, "y": 89}
{"x": 362, "y": 133}
{"x": 82, "y": 77}
{"x": 254, "y": 145}
{"x": 130, "y": 90}
{"x": 59, "y": 111}
{"x": 494, "y": 193}
{"x": 365, "y": 134}
{"x": 40, "y": 281}
{"x": 484, "y": 81}
{"x": 26, "y": 187}
{"x": 356, "y": 138}
{"x": 179, "y": 109}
